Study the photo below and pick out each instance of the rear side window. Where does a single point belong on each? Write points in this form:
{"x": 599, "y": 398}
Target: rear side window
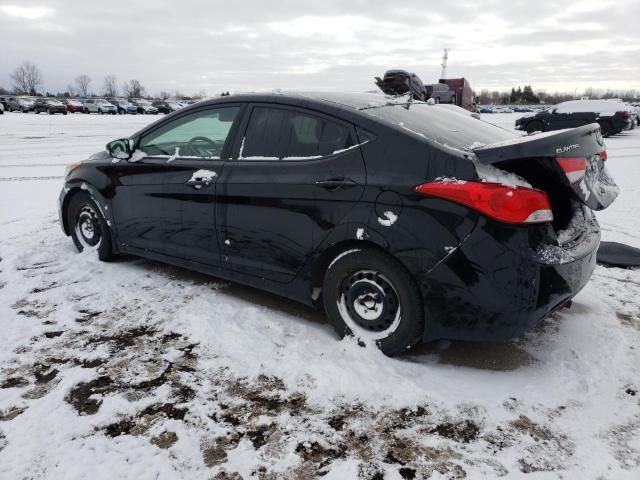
{"x": 278, "y": 134}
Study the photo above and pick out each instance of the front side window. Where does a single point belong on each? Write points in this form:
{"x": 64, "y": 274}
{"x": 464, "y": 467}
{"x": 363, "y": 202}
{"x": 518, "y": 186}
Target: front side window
{"x": 201, "y": 134}
{"x": 278, "y": 134}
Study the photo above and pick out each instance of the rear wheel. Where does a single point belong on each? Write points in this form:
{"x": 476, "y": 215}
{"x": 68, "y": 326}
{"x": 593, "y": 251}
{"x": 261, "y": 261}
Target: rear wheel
{"x": 535, "y": 127}
{"x": 370, "y": 295}
{"x": 89, "y": 229}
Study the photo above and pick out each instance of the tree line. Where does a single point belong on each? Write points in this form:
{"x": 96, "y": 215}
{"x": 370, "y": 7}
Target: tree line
{"x": 526, "y": 96}
{"x": 28, "y": 79}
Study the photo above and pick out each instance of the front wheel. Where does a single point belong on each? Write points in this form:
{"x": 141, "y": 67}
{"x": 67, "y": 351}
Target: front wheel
{"x": 370, "y": 295}
{"x": 89, "y": 229}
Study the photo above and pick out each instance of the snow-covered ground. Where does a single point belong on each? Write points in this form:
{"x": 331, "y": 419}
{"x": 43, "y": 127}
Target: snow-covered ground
{"x": 133, "y": 369}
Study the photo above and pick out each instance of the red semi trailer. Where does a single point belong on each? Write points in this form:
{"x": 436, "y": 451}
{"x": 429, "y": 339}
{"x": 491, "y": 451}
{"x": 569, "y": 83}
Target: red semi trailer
{"x": 464, "y": 94}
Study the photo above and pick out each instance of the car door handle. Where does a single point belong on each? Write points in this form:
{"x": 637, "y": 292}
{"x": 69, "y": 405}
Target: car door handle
{"x": 199, "y": 183}
{"x": 336, "y": 183}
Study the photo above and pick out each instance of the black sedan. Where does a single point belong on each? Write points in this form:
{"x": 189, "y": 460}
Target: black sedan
{"x": 576, "y": 113}
{"x": 49, "y": 105}
{"x": 372, "y": 208}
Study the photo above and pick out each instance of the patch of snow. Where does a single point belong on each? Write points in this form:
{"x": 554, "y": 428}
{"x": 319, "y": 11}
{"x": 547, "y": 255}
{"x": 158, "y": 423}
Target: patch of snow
{"x": 450, "y": 180}
{"x": 489, "y": 173}
{"x": 203, "y": 175}
{"x": 174, "y": 156}
{"x": 137, "y": 155}
{"x": 389, "y": 219}
{"x": 360, "y": 233}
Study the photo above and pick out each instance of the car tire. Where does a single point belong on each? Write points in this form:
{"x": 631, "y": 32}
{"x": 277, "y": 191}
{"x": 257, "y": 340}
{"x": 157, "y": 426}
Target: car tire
{"x": 437, "y": 99}
{"x": 23, "y": 110}
{"x": 100, "y": 111}
{"x": 88, "y": 227}
{"x": 370, "y": 295}
{"x": 535, "y": 126}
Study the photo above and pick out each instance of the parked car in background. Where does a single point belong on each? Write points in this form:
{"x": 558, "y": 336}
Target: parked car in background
{"x": 98, "y": 105}
{"x": 486, "y": 110}
{"x": 49, "y": 105}
{"x": 73, "y": 105}
{"x": 401, "y": 82}
{"x": 612, "y": 116}
{"x": 376, "y": 211}
{"x": 1, "y": 109}
{"x": 144, "y": 106}
{"x": 123, "y": 106}
{"x": 164, "y": 106}
{"x": 20, "y": 104}
{"x": 440, "y": 93}
{"x": 3, "y": 101}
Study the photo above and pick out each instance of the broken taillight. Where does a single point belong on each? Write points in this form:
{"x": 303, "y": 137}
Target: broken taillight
{"x": 519, "y": 205}
{"x": 573, "y": 167}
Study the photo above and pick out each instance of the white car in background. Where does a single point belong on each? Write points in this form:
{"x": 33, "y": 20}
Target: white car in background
{"x": 98, "y": 105}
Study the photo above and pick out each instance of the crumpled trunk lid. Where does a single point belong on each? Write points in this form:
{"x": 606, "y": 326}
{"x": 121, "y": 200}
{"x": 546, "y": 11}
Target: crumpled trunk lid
{"x": 595, "y": 189}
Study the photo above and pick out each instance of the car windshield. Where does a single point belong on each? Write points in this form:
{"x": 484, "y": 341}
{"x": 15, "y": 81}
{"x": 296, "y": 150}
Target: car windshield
{"x": 54, "y": 102}
{"x": 102, "y": 102}
{"x": 440, "y": 125}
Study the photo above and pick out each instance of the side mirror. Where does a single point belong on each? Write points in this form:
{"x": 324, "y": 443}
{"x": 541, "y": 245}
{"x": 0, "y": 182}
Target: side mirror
{"x": 119, "y": 149}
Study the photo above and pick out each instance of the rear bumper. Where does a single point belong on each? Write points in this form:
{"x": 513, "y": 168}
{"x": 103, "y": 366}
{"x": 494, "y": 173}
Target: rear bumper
{"x": 503, "y": 280}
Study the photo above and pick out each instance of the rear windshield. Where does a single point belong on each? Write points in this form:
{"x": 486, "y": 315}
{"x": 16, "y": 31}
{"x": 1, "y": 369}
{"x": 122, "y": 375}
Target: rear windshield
{"x": 445, "y": 127}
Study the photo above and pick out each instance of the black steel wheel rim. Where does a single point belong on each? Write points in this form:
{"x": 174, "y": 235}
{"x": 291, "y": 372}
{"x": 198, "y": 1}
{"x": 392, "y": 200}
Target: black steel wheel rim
{"x": 88, "y": 227}
{"x": 370, "y": 301}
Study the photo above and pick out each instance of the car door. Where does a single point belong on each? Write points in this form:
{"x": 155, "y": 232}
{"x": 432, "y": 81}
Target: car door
{"x": 165, "y": 201}
{"x": 294, "y": 174}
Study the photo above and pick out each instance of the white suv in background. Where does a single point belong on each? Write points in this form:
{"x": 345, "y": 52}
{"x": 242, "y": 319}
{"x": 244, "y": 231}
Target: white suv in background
{"x": 98, "y": 105}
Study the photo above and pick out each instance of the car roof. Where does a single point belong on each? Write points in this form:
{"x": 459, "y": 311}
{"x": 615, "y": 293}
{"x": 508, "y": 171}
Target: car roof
{"x": 352, "y": 100}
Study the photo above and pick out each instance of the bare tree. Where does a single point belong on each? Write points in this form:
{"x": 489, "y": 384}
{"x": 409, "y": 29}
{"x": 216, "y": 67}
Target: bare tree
{"x": 27, "y": 78}
{"x": 133, "y": 89}
{"x": 72, "y": 90}
{"x": 110, "y": 88}
{"x": 82, "y": 84}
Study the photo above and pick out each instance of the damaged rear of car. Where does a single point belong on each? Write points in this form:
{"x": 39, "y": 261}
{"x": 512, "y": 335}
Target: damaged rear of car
{"x": 529, "y": 236}
{"x": 537, "y": 194}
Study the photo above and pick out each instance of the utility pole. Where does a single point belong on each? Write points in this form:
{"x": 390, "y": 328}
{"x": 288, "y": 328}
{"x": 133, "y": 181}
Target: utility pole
{"x": 445, "y": 57}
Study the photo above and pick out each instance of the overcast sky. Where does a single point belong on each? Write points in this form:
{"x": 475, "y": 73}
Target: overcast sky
{"x": 210, "y": 45}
